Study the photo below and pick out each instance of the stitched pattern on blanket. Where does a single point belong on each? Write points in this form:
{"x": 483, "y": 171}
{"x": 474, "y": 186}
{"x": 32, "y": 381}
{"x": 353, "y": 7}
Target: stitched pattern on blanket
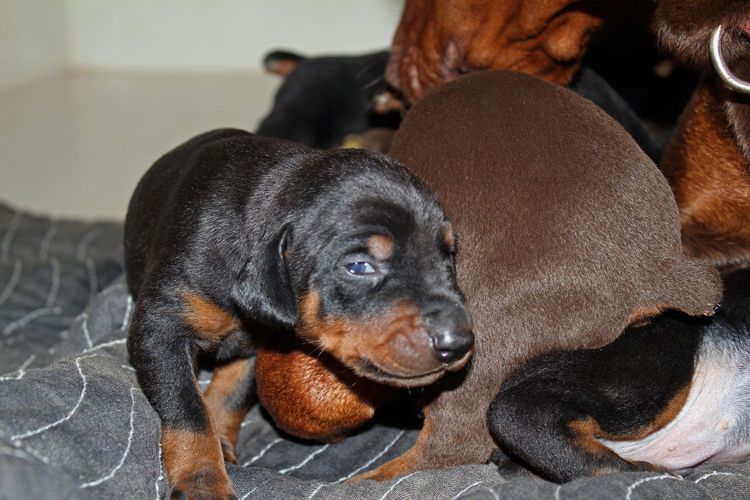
{"x": 74, "y": 424}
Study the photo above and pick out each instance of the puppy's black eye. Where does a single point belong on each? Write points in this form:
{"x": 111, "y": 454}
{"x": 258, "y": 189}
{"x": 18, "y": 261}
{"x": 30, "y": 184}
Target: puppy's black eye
{"x": 360, "y": 268}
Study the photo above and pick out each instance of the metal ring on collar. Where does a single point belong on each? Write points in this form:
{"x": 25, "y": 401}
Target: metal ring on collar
{"x": 731, "y": 81}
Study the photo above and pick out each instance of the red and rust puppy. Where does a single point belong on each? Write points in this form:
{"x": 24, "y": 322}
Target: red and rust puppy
{"x": 666, "y": 396}
{"x": 232, "y": 237}
{"x": 708, "y": 159}
{"x": 437, "y": 41}
{"x": 569, "y": 233}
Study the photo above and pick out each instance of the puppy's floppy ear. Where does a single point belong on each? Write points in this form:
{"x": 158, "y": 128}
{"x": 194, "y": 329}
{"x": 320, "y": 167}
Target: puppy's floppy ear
{"x": 281, "y": 62}
{"x": 264, "y": 291}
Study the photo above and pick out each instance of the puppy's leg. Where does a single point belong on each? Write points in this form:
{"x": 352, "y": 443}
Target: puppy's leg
{"x": 555, "y": 438}
{"x": 164, "y": 336}
{"x": 438, "y": 443}
{"x": 552, "y": 413}
{"x": 229, "y": 397}
{"x": 408, "y": 462}
{"x": 448, "y": 437}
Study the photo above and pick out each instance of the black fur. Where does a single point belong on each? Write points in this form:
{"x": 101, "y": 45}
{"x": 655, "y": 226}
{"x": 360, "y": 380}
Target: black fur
{"x": 326, "y": 98}
{"x": 250, "y": 225}
{"x": 622, "y": 386}
{"x": 589, "y": 84}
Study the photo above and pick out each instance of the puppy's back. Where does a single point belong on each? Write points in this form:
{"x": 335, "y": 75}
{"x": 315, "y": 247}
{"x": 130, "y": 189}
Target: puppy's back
{"x": 567, "y": 228}
{"x": 177, "y": 191}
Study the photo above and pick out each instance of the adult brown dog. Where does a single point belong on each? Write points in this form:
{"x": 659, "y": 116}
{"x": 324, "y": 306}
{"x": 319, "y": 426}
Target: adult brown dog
{"x": 568, "y": 233}
{"x": 708, "y": 159}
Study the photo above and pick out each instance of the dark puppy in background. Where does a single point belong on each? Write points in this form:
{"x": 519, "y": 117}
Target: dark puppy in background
{"x": 589, "y": 84}
{"x": 339, "y": 100}
{"x": 666, "y": 396}
{"x": 232, "y": 240}
{"x": 325, "y": 99}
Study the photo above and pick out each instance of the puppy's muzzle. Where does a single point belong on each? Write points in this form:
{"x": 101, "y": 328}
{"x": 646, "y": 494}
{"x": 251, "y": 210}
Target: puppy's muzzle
{"x": 449, "y": 328}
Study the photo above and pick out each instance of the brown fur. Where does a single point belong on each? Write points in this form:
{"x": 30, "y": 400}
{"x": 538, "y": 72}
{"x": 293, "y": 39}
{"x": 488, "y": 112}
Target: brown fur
{"x": 404, "y": 463}
{"x": 588, "y": 429}
{"x": 193, "y": 464}
{"x": 437, "y": 41}
{"x": 208, "y": 320}
{"x": 311, "y": 396}
{"x": 662, "y": 418}
{"x": 394, "y": 341}
{"x": 227, "y": 419}
{"x": 567, "y": 231}
{"x": 281, "y": 67}
{"x": 684, "y": 27}
{"x": 377, "y": 139}
{"x": 449, "y": 237}
{"x": 708, "y": 160}
{"x": 380, "y": 246}
{"x": 641, "y": 315}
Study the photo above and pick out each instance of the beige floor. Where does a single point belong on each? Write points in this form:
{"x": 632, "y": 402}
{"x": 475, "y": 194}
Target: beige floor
{"x": 75, "y": 146}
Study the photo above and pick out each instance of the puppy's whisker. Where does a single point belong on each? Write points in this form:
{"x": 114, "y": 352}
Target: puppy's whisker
{"x": 365, "y": 68}
{"x": 374, "y": 82}
{"x": 318, "y": 351}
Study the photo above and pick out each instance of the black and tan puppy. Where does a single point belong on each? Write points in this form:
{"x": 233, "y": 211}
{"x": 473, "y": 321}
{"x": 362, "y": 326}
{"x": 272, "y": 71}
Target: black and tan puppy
{"x": 669, "y": 396}
{"x": 231, "y": 237}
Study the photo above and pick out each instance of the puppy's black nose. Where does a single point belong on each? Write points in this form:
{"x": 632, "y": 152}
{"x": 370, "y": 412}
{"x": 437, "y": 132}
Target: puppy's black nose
{"x": 450, "y": 330}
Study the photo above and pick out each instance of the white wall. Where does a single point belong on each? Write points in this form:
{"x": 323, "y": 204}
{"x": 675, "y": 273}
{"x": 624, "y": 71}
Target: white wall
{"x": 221, "y": 34}
{"x": 39, "y": 38}
{"x": 33, "y": 40}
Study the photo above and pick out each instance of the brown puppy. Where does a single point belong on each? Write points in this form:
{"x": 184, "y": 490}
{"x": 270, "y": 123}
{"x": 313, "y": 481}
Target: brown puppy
{"x": 568, "y": 233}
{"x": 437, "y": 41}
{"x": 708, "y": 159}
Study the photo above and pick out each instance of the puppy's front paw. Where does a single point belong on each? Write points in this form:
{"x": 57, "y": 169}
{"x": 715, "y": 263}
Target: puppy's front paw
{"x": 204, "y": 484}
{"x": 498, "y": 457}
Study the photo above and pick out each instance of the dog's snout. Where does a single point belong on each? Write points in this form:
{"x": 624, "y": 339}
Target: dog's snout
{"x": 450, "y": 331}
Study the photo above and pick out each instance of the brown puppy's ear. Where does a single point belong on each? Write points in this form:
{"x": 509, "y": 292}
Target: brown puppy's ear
{"x": 264, "y": 291}
{"x": 281, "y": 62}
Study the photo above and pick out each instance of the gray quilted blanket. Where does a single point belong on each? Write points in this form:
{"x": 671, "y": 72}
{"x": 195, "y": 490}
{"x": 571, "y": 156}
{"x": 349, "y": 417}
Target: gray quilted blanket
{"x": 74, "y": 424}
